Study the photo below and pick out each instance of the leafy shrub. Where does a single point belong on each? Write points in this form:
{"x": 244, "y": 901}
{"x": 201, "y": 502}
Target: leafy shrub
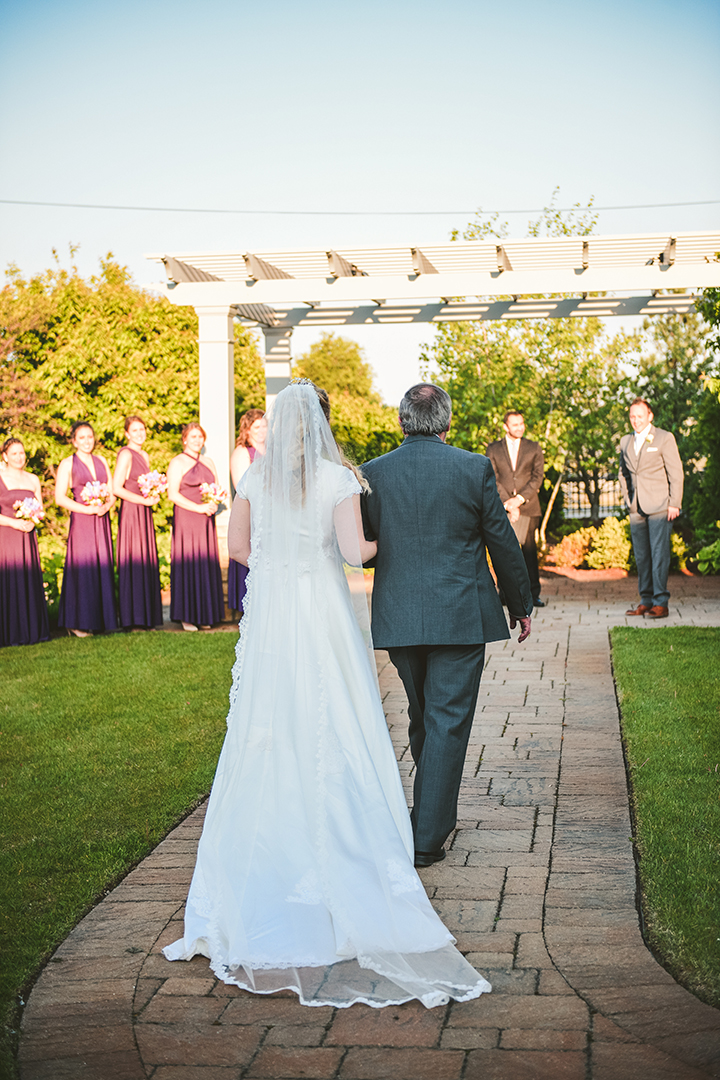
{"x": 709, "y": 559}
{"x": 163, "y": 546}
{"x": 611, "y": 546}
{"x": 52, "y": 572}
{"x": 52, "y": 563}
{"x": 572, "y": 550}
{"x": 679, "y": 552}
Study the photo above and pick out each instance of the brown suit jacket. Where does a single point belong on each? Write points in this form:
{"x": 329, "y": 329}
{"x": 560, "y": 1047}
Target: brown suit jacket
{"x": 527, "y": 477}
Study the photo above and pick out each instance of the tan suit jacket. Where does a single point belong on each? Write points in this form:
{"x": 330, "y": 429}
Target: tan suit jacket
{"x": 652, "y": 480}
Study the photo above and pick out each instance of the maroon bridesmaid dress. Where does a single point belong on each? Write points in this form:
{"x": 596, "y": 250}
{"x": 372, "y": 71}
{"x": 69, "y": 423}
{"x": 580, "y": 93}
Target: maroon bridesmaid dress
{"x": 237, "y": 573}
{"x": 195, "y": 577}
{"x": 87, "y": 598}
{"x": 137, "y": 557}
{"x": 23, "y": 608}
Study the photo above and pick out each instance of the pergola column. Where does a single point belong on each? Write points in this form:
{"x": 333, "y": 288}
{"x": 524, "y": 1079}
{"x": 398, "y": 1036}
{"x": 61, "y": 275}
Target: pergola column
{"x": 216, "y": 335}
{"x": 278, "y": 362}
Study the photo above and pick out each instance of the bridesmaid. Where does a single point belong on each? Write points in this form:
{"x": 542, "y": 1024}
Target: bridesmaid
{"x": 137, "y": 557}
{"x": 23, "y": 607}
{"x": 195, "y": 578}
{"x": 87, "y": 598}
{"x": 250, "y": 441}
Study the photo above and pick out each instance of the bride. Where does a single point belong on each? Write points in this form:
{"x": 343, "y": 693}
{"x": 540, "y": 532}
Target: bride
{"x": 304, "y": 877}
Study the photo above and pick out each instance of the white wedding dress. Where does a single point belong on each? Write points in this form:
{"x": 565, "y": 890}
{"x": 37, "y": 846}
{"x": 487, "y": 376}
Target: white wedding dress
{"x": 304, "y": 876}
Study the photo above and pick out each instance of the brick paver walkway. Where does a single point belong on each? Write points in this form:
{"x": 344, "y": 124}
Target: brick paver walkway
{"x": 538, "y": 887}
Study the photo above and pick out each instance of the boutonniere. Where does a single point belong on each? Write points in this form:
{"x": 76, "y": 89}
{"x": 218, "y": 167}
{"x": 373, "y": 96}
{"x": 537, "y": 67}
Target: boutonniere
{"x": 650, "y": 437}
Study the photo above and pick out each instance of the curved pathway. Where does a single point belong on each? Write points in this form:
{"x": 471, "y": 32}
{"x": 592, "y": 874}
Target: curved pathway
{"x": 539, "y": 888}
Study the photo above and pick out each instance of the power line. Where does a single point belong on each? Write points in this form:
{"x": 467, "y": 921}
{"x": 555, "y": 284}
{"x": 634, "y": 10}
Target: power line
{"x": 349, "y": 213}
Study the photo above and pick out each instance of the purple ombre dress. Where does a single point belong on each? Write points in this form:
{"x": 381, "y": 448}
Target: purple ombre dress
{"x": 87, "y": 599}
{"x": 237, "y": 573}
{"x": 23, "y": 608}
{"x": 196, "y": 592}
{"x": 137, "y": 557}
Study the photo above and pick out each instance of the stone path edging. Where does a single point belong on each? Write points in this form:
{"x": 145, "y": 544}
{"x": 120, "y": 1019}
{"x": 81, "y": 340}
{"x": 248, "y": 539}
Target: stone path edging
{"x": 538, "y": 887}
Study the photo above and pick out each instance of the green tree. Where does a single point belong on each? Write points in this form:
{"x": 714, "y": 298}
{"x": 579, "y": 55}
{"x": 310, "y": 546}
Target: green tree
{"x": 709, "y": 307}
{"x": 363, "y": 426}
{"x": 669, "y": 372}
{"x": 564, "y": 375}
{"x": 705, "y": 505}
{"x": 73, "y": 349}
{"x": 249, "y": 372}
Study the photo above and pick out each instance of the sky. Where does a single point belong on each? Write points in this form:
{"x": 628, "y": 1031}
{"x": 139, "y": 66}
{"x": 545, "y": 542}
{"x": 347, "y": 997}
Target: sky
{"x": 410, "y": 114}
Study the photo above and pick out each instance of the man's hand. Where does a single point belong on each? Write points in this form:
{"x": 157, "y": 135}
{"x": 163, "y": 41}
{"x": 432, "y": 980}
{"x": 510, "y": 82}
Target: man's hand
{"x": 513, "y": 503}
{"x": 525, "y": 622}
{"x": 673, "y": 512}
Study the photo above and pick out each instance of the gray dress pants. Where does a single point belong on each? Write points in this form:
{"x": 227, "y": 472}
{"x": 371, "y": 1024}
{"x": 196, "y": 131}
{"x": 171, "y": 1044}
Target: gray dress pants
{"x": 650, "y": 535}
{"x": 442, "y": 684}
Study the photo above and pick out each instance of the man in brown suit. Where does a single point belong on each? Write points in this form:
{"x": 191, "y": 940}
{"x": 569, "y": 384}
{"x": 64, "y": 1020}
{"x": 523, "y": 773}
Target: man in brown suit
{"x": 519, "y": 466}
{"x": 651, "y": 478}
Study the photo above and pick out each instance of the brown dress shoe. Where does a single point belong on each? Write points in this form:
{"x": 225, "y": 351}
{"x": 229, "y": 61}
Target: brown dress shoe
{"x": 639, "y": 610}
{"x": 657, "y": 612}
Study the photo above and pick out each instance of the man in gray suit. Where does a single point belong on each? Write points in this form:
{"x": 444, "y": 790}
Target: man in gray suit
{"x": 433, "y": 510}
{"x": 651, "y": 478}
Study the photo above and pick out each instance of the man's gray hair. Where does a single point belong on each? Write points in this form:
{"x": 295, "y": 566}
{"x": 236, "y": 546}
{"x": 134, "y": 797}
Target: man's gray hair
{"x": 425, "y": 410}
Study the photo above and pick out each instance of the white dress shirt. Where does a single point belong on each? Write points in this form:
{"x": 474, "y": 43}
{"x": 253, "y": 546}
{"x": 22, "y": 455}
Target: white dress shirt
{"x": 639, "y": 438}
{"x": 513, "y": 446}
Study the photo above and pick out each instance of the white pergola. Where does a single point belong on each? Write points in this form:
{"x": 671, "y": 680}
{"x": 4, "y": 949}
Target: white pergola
{"x": 565, "y": 277}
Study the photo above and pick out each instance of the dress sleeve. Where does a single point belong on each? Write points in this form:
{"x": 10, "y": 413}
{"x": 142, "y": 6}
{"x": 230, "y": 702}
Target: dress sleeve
{"x": 346, "y": 485}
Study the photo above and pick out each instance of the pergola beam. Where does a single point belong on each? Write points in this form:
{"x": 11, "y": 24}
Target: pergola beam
{"x": 421, "y": 264}
{"x": 259, "y": 270}
{"x": 340, "y": 267}
{"x": 476, "y": 310}
{"x": 540, "y": 277}
{"x": 423, "y": 287}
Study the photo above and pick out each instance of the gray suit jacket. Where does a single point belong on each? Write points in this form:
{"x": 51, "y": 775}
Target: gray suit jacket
{"x": 652, "y": 480}
{"x": 433, "y": 510}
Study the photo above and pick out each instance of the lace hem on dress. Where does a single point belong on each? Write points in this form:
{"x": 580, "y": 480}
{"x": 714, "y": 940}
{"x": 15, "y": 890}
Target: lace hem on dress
{"x": 432, "y": 978}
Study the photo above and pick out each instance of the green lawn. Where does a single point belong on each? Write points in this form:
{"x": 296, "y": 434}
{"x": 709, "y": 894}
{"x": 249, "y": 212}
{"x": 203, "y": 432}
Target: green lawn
{"x": 105, "y": 743}
{"x": 669, "y": 693}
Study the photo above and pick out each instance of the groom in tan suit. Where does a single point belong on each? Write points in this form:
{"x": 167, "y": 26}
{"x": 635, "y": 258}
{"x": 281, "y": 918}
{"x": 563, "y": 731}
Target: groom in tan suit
{"x": 651, "y": 478}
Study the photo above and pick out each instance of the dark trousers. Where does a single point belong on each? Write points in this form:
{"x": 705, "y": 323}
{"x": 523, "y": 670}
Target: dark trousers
{"x": 442, "y": 684}
{"x": 524, "y": 529}
{"x": 650, "y": 535}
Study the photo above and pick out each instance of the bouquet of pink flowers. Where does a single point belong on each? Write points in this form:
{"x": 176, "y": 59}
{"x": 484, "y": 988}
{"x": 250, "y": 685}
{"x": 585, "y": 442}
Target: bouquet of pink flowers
{"x": 213, "y": 493}
{"x": 152, "y": 483}
{"x": 95, "y": 493}
{"x": 29, "y": 509}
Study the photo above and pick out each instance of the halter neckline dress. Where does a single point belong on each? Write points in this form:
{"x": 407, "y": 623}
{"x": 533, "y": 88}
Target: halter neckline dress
{"x": 195, "y": 576}
{"x": 137, "y": 557}
{"x": 87, "y": 598}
